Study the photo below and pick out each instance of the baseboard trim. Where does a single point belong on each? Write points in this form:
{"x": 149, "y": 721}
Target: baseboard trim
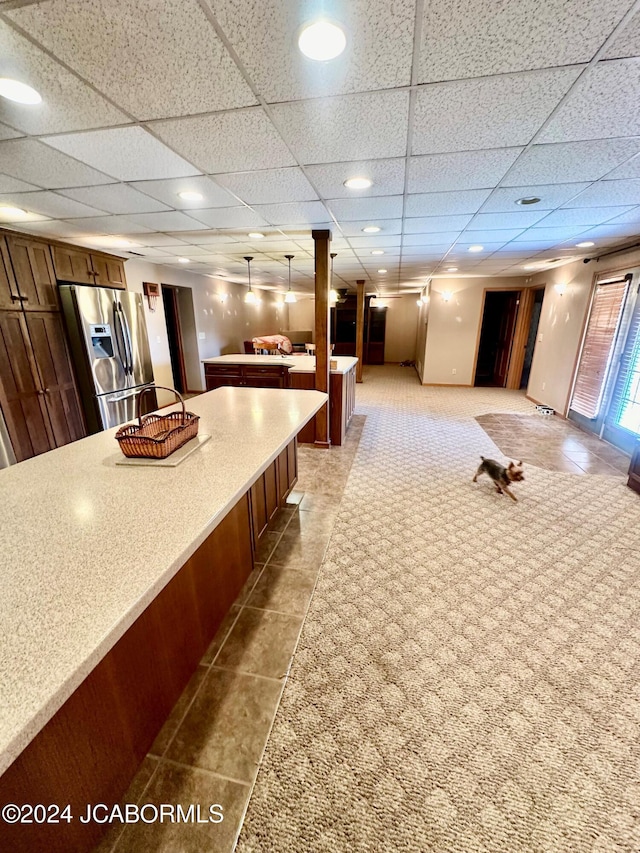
{"x": 446, "y": 385}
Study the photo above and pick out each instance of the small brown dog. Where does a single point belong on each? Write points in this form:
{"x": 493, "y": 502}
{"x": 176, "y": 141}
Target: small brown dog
{"x": 500, "y": 475}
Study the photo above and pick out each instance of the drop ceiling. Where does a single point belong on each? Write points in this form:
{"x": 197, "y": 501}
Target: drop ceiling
{"x": 453, "y": 110}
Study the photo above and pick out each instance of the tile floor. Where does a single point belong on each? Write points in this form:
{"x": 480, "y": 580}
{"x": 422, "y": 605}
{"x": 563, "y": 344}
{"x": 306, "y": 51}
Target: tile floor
{"x": 549, "y": 441}
{"x": 210, "y": 748}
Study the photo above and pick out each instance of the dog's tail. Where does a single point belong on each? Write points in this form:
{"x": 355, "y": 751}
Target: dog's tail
{"x": 483, "y": 459}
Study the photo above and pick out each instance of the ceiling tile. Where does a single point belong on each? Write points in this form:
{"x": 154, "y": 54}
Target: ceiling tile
{"x": 115, "y": 198}
{"x": 376, "y": 241}
{"x": 387, "y": 177}
{"x": 142, "y": 54}
{"x": 434, "y": 204}
{"x": 476, "y": 39}
{"x": 13, "y": 185}
{"x": 8, "y": 132}
{"x": 269, "y": 186}
{"x": 603, "y": 104}
{"x": 354, "y": 229}
{"x": 608, "y": 193}
{"x": 162, "y": 239}
{"x": 167, "y": 192}
{"x": 378, "y": 53}
{"x": 631, "y": 169}
{"x": 465, "y": 170}
{"x": 503, "y": 199}
{"x": 573, "y": 161}
{"x": 186, "y": 251}
{"x": 236, "y": 141}
{"x": 32, "y": 161}
{"x": 434, "y": 224}
{"x": 582, "y": 216}
{"x": 431, "y": 239}
{"x": 119, "y": 225}
{"x": 488, "y": 112}
{"x": 556, "y": 233}
{"x": 171, "y": 220}
{"x": 304, "y": 212}
{"x": 351, "y": 127}
{"x": 517, "y": 219}
{"x": 632, "y": 215}
{"x": 127, "y": 153}
{"x": 627, "y": 43}
{"x": 49, "y": 204}
{"x": 229, "y": 217}
{"x": 493, "y": 235}
{"x": 349, "y": 209}
{"x": 50, "y": 228}
{"x": 68, "y": 103}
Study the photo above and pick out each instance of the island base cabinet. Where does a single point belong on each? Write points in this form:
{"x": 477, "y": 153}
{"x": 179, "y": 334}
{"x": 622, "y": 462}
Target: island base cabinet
{"x": 269, "y": 492}
{"x": 92, "y": 747}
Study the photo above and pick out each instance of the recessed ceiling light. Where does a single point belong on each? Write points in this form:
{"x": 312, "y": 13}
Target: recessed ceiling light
{"x": 528, "y": 199}
{"x": 476, "y": 248}
{"x": 13, "y": 212}
{"x": 255, "y": 235}
{"x": 189, "y": 195}
{"x": 14, "y": 90}
{"x": 452, "y": 269}
{"x": 322, "y": 41}
{"x": 371, "y": 229}
{"x": 358, "y": 183}
{"x": 378, "y": 252}
{"x": 381, "y": 271}
{"x": 184, "y": 261}
{"x": 585, "y": 245}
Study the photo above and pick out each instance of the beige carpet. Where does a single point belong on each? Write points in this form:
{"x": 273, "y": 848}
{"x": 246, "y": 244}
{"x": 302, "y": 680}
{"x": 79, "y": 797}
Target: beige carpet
{"x": 468, "y": 678}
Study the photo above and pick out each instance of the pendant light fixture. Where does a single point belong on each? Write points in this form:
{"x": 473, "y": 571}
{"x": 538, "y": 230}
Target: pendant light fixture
{"x": 290, "y": 296}
{"x": 333, "y": 294}
{"x": 249, "y": 296}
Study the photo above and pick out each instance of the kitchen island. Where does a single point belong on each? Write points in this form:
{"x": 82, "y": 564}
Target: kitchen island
{"x": 115, "y": 579}
{"x": 268, "y": 371}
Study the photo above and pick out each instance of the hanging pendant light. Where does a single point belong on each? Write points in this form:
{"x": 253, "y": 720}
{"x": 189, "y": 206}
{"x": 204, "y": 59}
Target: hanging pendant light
{"x": 250, "y": 296}
{"x": 333, "y": 294}
{"x": 290, "y": 296}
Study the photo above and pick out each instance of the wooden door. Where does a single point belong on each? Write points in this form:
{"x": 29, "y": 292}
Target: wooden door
{"x": 9, "y": 296}
{"x": 21, "y": 393}
{"x": 34, "y": 274}
{"x": 505, "y": 339}
{"x": 46, "y": 334}
{"x": 109, "y": 272}
{"x": 73, "y": 265}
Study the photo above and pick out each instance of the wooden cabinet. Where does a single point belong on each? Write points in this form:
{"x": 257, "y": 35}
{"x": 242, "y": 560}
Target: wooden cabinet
{"x": 253, "y": 376}
{"x": 269, "y": 493}
{"x": 37, "y": 386}
{"x": 34, "y": 274}
{"x": 9, "y": 295}
{"x": 75, "y": 265}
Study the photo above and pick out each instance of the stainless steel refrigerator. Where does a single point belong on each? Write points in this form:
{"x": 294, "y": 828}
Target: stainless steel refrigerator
{"x": 110, "y": 350}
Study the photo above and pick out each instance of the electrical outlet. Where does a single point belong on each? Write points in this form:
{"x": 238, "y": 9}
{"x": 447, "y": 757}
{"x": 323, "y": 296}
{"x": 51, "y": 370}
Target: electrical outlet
{"x": 454, "y": 371}
{"x": 158, "y": 339}
{"x": 539, "y": 338}
{"x": 201, "y": 336}
{"x": 544, "y": 385}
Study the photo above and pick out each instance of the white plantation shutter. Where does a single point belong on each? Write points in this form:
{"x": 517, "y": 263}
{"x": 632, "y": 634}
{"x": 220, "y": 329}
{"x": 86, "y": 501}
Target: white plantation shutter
{"x": 599, "y": 341}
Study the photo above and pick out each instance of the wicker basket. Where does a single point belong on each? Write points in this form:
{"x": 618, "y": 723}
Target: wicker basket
{"x": 157, "y": 436}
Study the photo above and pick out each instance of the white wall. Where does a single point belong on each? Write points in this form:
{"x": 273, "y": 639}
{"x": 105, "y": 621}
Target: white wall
{"x": 401, "y": 328}
{"x": 224, "y": 325}
{"x": 562, "y": 325}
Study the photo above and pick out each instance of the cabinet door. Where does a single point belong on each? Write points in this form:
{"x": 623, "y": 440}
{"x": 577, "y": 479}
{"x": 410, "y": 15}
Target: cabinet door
{"x": 21, "y": 394}
{"x": 9, "y": 296}
{"x": 73, "y": 265}
{"x": 267, "y": 376}
{"x": 46, "y": 333}
{"x": 109, "y": 272}
{"x": 34, "y": 274}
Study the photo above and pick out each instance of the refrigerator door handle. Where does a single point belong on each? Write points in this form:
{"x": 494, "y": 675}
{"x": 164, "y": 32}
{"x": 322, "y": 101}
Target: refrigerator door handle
{"x": 119, "y": 338}
{"x": 128, "y": 342}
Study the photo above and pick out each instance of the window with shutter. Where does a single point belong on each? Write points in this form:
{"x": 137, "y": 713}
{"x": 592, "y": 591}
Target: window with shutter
{"x": 626, "y": 402}
{"x": 598, "y": 346}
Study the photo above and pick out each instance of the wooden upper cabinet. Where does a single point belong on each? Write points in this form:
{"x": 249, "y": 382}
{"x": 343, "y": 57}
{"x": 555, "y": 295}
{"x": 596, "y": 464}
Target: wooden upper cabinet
{"x": 76, "y": 265}
{"x": 109, "y": 271}
{"x": 9, "y": 296}
{"x": 34, "y": 275}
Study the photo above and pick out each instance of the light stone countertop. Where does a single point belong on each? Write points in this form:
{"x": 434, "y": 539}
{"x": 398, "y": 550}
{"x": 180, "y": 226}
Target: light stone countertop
{"x": 87, "y": 544}
{"x": 296, "y": 363}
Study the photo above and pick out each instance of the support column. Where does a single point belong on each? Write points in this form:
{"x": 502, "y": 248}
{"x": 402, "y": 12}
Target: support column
{"x": 360, "y": 329}
{"x": 322, "y": 239}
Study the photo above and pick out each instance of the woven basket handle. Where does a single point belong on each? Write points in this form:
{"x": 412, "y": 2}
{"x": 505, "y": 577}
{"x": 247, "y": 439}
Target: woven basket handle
{"x": 153, "y": 388}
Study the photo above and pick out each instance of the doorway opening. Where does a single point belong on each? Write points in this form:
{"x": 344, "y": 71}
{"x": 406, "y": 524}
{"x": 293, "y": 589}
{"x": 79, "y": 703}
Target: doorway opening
{"x": 496, "y": 337}
{"x": 182, "y": 337}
